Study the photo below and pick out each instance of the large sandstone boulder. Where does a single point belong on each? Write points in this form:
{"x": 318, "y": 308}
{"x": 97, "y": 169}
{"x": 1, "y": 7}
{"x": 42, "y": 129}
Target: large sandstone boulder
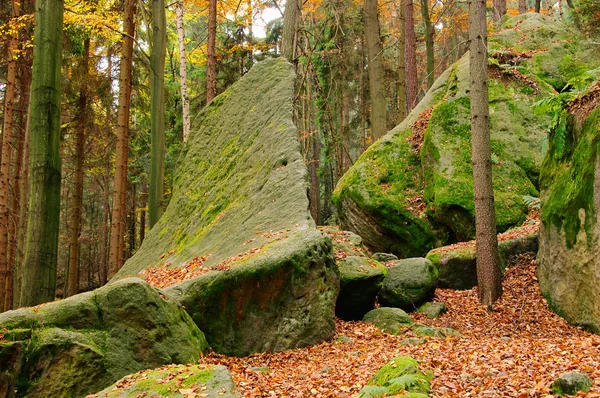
{"x": 77, "y": 346}
{"x": 261, "y": 277}
{"x": 413, "y": 189}
{"x": 360, "y": 281}
{"x": 408, "y": 283}
{"x": 569, "y": 265}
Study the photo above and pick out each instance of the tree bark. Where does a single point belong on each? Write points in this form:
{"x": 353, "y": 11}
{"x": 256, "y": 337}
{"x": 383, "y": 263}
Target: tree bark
{"x": 39, "y": 266}
{"x": 144, "y": 199}
{"x": 522, "y": 6}
{"x": 7, "y": 133}
{"x": 402, "y": 108}
{"x": 499, "y": 9}
{"x": 429, "y": 44}
{"x": 185, "y": 98}
{"x": 75, "y": 227}
{"x": 375, "y": 69}
{"x": 489, "y": 275}
{"x": 157, "y": 113}
{"x": 289, "y": 35}
{"x": 538, "y": 5}
{"x": 211, "y": 56}
{"x": 122, "y": 145}
{"x": 411, "y": 57}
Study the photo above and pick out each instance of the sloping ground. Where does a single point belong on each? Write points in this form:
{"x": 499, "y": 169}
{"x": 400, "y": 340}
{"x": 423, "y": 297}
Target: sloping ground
{"x": 516, "y": 351}
{"x": 426, "y": 159}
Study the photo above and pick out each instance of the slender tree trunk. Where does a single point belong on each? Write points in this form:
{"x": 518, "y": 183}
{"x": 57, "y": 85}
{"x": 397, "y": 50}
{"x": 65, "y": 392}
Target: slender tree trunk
{"x": 143, "y": 204}
{"x": 122, "y": 146}
{"x": 75, "y": 227}
{"x": 499, "y": 9}
{"x": 402, "y": 108}
{"x": 7, "y": 133}
{"x": 411, "y": 57}
{"x": 489, "y": 275}
{"x": 289, "y": 35}
{"x": 538, "y": 5}
{"x": 375, "y": 69}
{"x": 157, "y": 113}
{"x": 522, "y": 6}
{"x": 211, "y": 56}
{"x": 39, "y": 266}
{"x": 429, "y": 44}
{"x": 185, "y": 99}
{"x": 132, "y": 220}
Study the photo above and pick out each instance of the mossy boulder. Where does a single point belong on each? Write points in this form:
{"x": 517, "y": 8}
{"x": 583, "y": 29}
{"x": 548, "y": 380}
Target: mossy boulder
{"x": 571, "y": 383}
{"x": 282, "y": 299}
{"x": 360, "y": 281}
{"x": 182, "y": 381}
{"x": 77, "y": 346}
{"x": 399, "y": 377}
{"x": 379, "y": 196}
{"x": 391, "y": 320}
{"x": 240, "y": 201}
{"x": 408, "y": 283}
{"x": 568, "y": 262}
{"x": 433, "y": 310}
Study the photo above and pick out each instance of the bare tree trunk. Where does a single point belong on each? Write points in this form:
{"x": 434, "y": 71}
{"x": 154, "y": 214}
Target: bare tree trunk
{"x": 489, "y": 275}
{"x": 522, "y": 6}
{"x": 429, "y": 44}
{"x": 499, "y": 9}
{"x": 122, "y": 146}
{"x": 132, "y": 220}
{"x": 289, "y": 36}
{"x": 411, "y": 57}
{"x": 375, "y": 69}
{"x": 7, "y": 133}
{"x": 75, "y": 227}
{"x": 144, "y": 199}
{"x": 185, "y": 99}
{"x": 402, "y": 108}
{"x": 211, "y": 61}
{"x": 538, "y": 5}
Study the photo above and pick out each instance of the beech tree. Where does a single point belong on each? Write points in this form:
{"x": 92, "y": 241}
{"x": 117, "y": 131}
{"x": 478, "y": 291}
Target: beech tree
{"x": 211, "y": 57}
{"x": 375, "y": 68}
{"x": 185, "y": 99}
{"x": 428, "y": 28}
{"x": 489, "y": 276}
{"x": 289, "y": 34}
{"x": 411, "y": 56}
{"x": 499, "y": 9}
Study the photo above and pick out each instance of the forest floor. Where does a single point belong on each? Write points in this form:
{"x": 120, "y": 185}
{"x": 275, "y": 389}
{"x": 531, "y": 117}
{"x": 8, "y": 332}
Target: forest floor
{"x": 515, "y": 351}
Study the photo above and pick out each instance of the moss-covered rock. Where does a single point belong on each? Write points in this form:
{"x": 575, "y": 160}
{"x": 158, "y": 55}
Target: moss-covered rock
{"x": 569, "y": 266}
{"x": 399, "y": 377}
{"x": 360, "y": 281}
{"x": 571, "y": 383}
{"x": 210, "y": 381}
{"x": 408, "y": 283}
{"x": 391, "y": 320}
{"x": 433, "y": 310}
{"x": 77, "y": 346}
{"x": 284, "y": 298}
{"x": 376, "y": 197}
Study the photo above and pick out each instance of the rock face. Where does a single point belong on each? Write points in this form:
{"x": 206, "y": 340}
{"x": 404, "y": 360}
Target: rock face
{"x": 360, "y": 281}
{"x": 240, "y": 201}
{"x": 212, "y": 381}
{"x": 77, "y": 346}
{"x": 569, "y": 266}
{"x": 408, "y": 283}
{"x": 571, "y": 383}
{"x": 380, "y": 196}
{"x": 392, "y": 320}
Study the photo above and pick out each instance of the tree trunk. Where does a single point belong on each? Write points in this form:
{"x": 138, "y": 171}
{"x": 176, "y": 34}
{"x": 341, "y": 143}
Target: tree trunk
{"x": 289, "y": 35}
{"x": 157, "y": 112}
{"x": 75, "y": 227}
{"x": 144, "y": 199}
{"x": 132, "y": 220}
{"x": 411, "y": 57}
{"x": 7, "y": 133}
{"x": 489, "y": 277}
{"x": 185, "y": 99}
{"x": 522, "y": 6}
{"x": 538, "y": 5}
{"x": 122, "y": 145}
{"x": 402, "y": 108}
{"x": 39, "y": 266}
{"x": 428, "y": 27}
{"x": 499, "y": 9}
{"x": 375, "y": 69}
{"x": 211, "y": 56}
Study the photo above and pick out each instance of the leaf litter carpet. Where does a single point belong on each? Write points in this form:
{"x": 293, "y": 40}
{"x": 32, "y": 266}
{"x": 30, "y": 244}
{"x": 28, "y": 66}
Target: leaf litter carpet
{"x": 516, "y": 351}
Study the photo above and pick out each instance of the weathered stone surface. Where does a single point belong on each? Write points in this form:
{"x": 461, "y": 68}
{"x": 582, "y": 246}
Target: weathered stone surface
{"x": 378, "y": 197}
{"x": 571, "y": 383}
{"x": 77, "y": 346}
{"x": 399, "y": 377}
{"x": 383, "y": 257}
{"x": 408, "y": 283}
{"x": 210, "y": 381}
{"x": 569, "y": 265}
{"x": 360, "y": 281}
{"x": 514, "y": 247}
{"x": 433, "y": 310}
{"x": 281, "y": 299}
{"x": 392, "y": 320}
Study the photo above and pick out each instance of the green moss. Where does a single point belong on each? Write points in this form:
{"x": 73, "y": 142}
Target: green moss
{"x": 400, "y": 376}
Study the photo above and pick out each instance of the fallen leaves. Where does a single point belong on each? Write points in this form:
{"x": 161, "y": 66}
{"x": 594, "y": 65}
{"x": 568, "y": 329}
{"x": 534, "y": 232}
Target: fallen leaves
{"x": 418, "y": 130}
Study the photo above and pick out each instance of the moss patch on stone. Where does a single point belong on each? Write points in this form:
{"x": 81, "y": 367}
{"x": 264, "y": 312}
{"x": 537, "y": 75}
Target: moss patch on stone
{"x": 402, "y": 377}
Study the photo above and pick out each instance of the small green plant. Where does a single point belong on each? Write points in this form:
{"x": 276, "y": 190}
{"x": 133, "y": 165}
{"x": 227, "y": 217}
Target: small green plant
{"x": 532, "y": 202}
{"x": 555, "y": 106}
